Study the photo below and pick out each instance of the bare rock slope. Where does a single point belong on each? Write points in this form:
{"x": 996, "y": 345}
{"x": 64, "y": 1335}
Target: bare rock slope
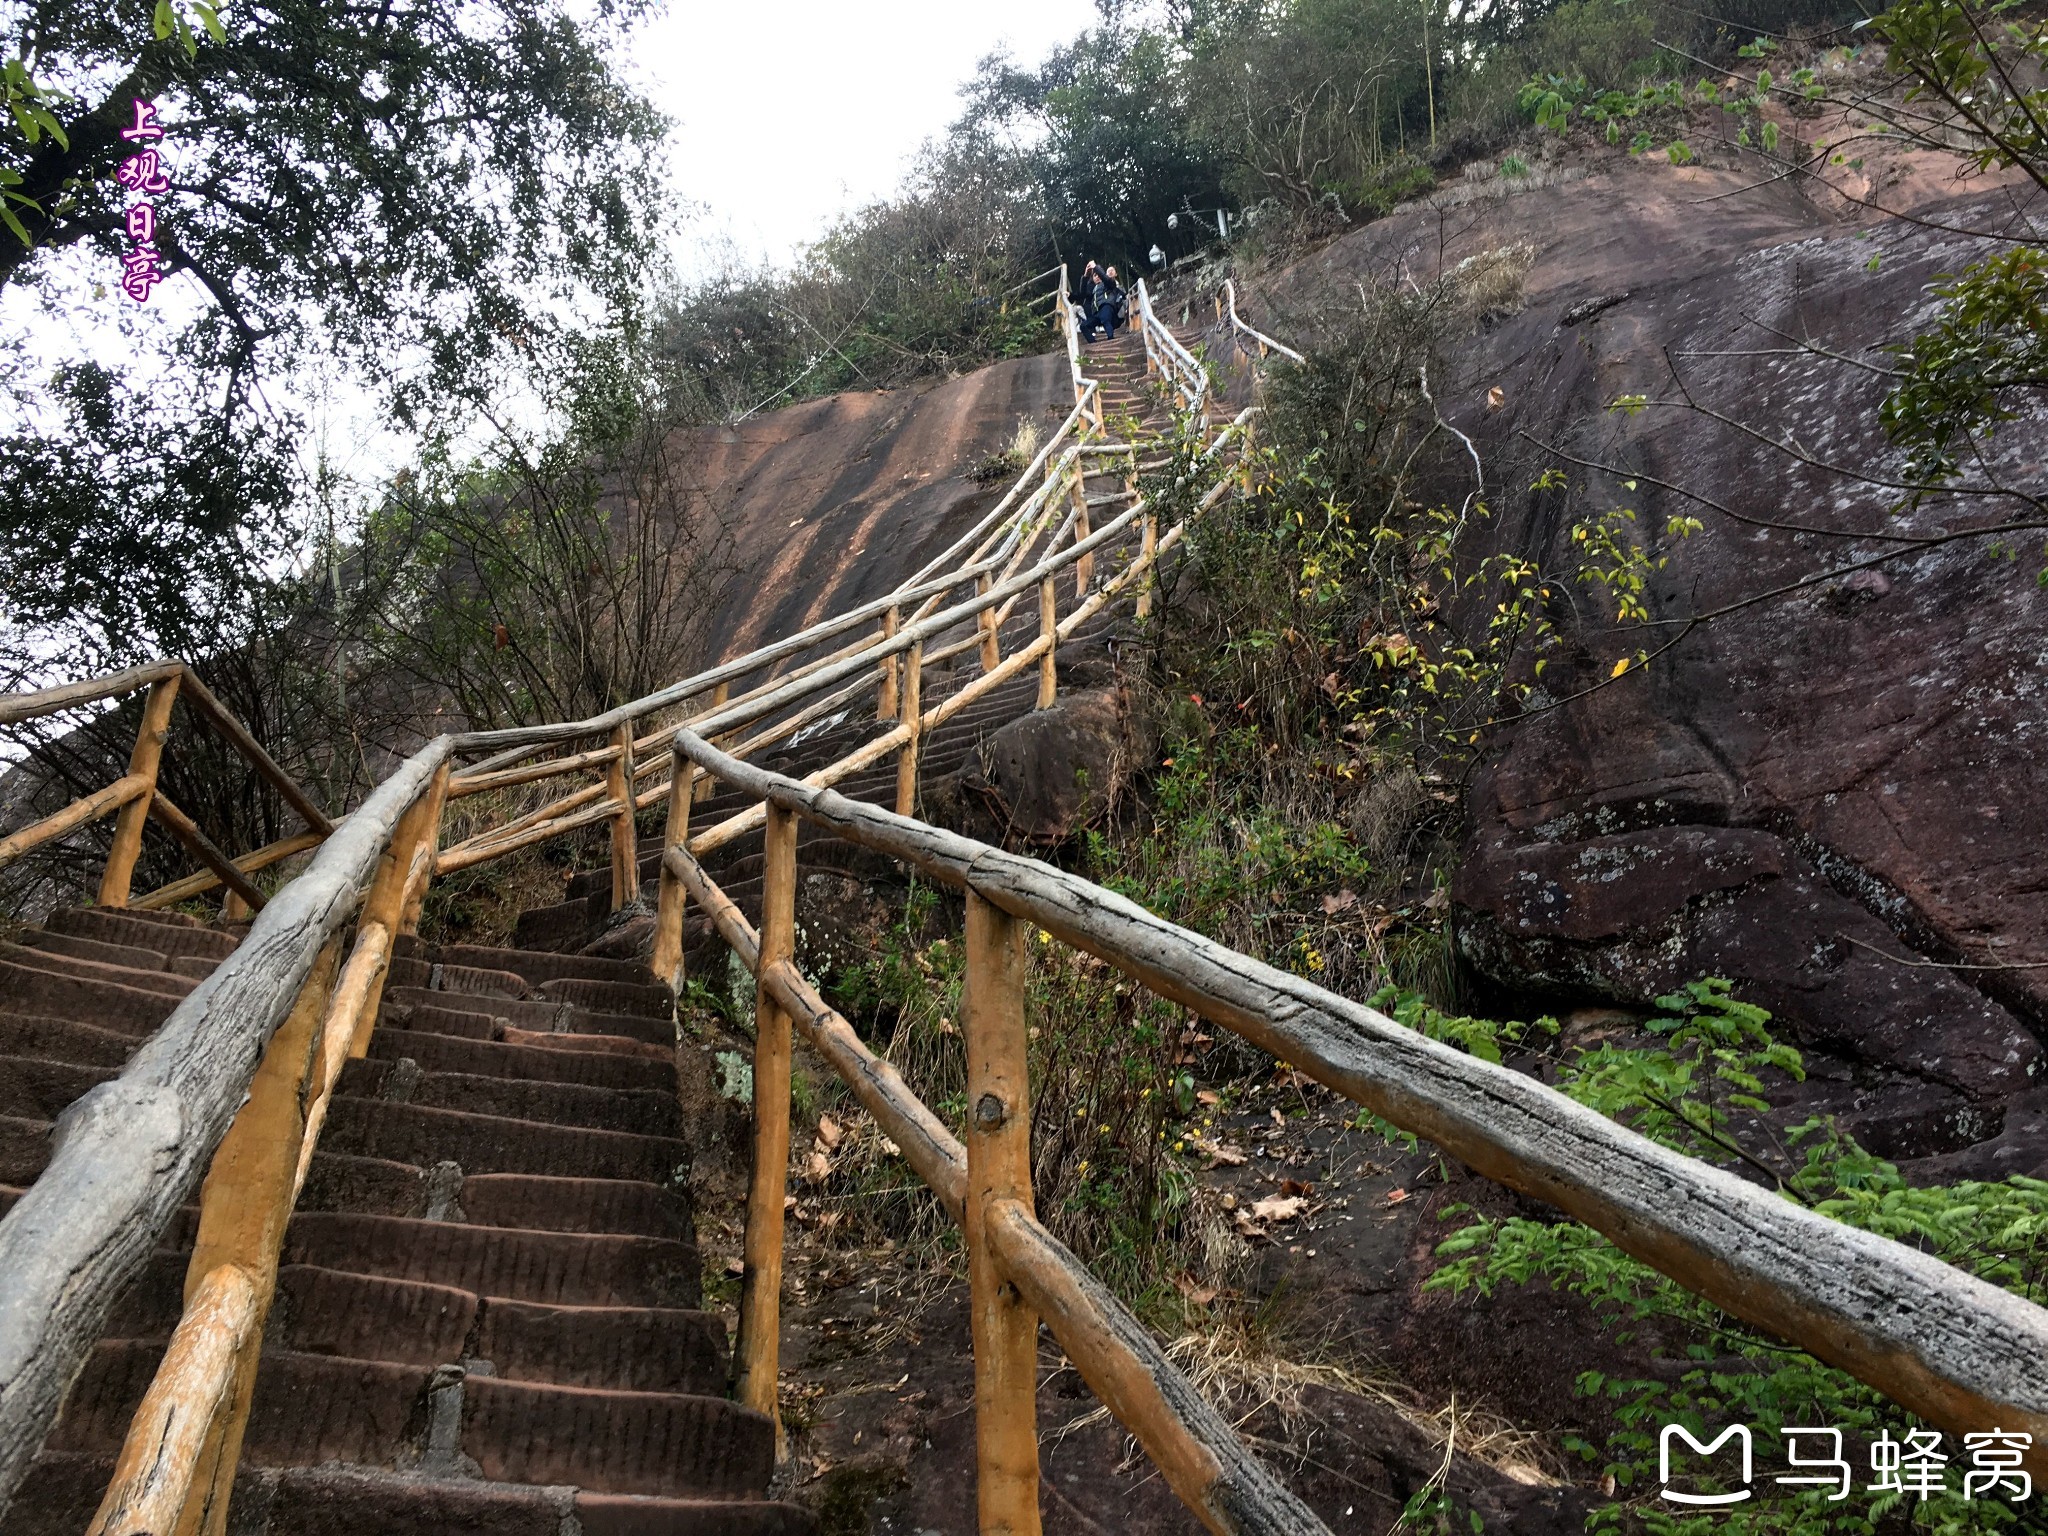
{"x": 1830, "y": 795}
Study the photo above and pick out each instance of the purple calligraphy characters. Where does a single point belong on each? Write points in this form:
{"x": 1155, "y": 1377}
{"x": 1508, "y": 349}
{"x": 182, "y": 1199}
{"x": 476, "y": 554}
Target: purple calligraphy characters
{"x": 142, "y": 264}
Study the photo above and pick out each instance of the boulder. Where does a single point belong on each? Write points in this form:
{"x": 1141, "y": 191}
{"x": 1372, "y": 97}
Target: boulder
{"x": 1044, "y": 776}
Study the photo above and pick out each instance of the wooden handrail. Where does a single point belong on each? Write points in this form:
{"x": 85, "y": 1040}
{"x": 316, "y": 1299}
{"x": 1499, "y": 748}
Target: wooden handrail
{"x": 1259, "y": 339}
{"x": 1959, "y": 1351}
{"x": 136, "y": 796}
{"x": 17, "y": 707}
{"x": 1201, "y": 1458}
{"x": 851, "y": 667}
{"x": 271, "y": 1028}
{"x": 199, "y": 695}
{"x": 128, "y": 1153}
{"x": 515, "y": 742}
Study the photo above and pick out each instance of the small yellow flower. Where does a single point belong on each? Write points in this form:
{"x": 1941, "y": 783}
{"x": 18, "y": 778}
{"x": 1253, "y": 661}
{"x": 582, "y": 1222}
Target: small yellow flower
{"x": 1180, "y": 1146}
{"x": 1082, "y": 1166}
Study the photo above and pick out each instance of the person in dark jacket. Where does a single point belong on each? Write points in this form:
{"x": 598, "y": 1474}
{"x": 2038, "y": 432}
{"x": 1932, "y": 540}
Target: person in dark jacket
{"x": 1111, "y": 307}
{"x": 1085, "y": 300}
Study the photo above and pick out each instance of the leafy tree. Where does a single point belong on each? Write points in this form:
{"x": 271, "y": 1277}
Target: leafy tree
{"x": 420, "y": 189}
{"x": 1106, "y": 121}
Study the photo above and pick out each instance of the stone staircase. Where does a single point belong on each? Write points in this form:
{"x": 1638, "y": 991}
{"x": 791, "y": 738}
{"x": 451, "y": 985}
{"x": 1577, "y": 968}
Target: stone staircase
{"x": 488, "y": 1302}
{"x": 488, "y": 1314}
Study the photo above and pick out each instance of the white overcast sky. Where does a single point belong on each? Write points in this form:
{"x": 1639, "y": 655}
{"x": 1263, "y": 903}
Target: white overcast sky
{"x": 789, "y": 112}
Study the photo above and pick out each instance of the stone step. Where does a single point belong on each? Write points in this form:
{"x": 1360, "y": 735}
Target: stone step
{"x": 132, "y": 1011}
{"x": 62, "y": 1490}
{"x": 463, "y": 980}
{"x": 24, "y": 1149}
{"x": 77, "y": 948}
{"x": 311, "y": 1410}
{"x": 621, "y": 1442}
{"x": 536, "y": 968}
{"x": 441, "y": 1052}
{"x": 609, "y": 1207}
{"x": 644, "y": 1112}
{"x": 32, "y": 1088}
{"x": 609, "y": 1045}
{"x": 489, "y": 1018}
{"x": 640, "y": 998}
{"x": 411, "y": 1133}
{"x": 155, "y": 980}
{"x": 554, "y": 1268}
{"x": 31, "y": 1034}
{"x": 167, "y": 933}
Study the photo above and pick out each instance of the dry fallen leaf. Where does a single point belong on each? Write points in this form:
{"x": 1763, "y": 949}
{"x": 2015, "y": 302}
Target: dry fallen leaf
{"x": 1279, "y": 1208}
{"x": 735, "y": 1266}
{"x": 1207, "y": 1097}
{"x": 818, "y": 1168}
{"x": 1200, "y": 1295}
{"x": 1496, "y": 397}
{"x": 830, "y": 1132}
{"x": 1296, "y": 1187}
{"x": 1278, "y": 1118}
{"x": 1396, "y": 1196}
{"x": 1220, "y": 1154}
{"x": 1343, "y": 901}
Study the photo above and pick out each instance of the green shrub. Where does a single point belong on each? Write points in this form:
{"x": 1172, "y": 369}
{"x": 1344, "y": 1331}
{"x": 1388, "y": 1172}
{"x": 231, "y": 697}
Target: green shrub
{"x": 1700, "y": 1091}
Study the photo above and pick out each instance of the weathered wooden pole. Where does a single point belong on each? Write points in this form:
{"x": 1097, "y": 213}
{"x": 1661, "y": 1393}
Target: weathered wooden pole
{"x": 200, "y": 1395}
{"x": 885, "y": 703}
{"x": 1049, "y": 630}
{"x": 913, "y": 723}
{"x": 706, "y": 785}
{"x": 667, "y": 960}
{"x": 761, "y": 1287}
{"x": 144, "y": 761}
{"x": 999, "y": 1169}
{"x": 423, "y": 834}
{"x": 1084, "y": 568}
{"x": 1148, "y": 549}
{"x": 625, "y": 840}
{"x": 991, "y": 652}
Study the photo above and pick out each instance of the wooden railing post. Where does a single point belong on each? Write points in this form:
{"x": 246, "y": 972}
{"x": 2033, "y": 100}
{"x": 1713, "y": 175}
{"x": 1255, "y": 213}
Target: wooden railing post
{"x": 885, "y": 703}
{"x": 991, "y": 653}
{"x": 999, "y": 1169}
{"x": 200, "y": 1398}
{"x": 706, "y": 785}
{"x": 1084, "y": 568}
{"x": 625, "y": 838}
{"x": 913, "y": 722}
{"x": 761, "y": 1288}
{"x": 1049, "y": 631}
{"x": 425, "y": 833}
{"x": 144, "y": 760}
{"x": 667, "y": 959}
{"x": 1148, "y": 549}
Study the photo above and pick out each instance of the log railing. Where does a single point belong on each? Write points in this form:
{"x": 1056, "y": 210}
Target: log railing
{"x": 234, "y": 1088}
{"x": 1167, "y": 359}
{"x": 268, "y": 1033}
{"x": 1254, "y": 341}
{"x": 134, "y": 797}
{"x": 271, "y": 1026}
{"x": 1964, "y": 1354}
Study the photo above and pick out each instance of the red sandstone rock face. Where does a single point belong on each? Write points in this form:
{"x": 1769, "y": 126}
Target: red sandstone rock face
{"x": 1807, "y": 786}
{"x": 835, "y": 501}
